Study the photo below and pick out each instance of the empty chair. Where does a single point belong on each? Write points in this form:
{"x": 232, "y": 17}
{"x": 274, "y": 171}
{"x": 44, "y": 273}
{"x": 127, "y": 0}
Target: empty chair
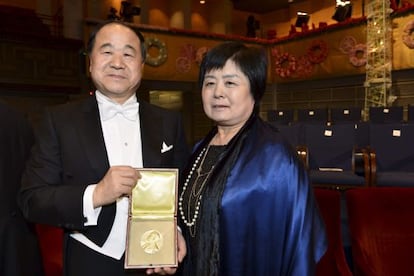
{"x": 362, "y": 132}
{"x": 346, "y": 115}
{"x": 334, "y": 157}
{"x": 381, "y": 228}
{"x": 393, "y": 114}
{"x": 293, "y": 133}
{"x": 318, "y": 115}
{"x": 280, "y": 116}
{"x": 392, "y": 154}
{"x": 334, "y": 261}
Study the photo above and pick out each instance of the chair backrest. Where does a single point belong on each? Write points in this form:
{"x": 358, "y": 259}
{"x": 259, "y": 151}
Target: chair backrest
{"x": 318, "y": 115}
{"x": 51, "y": 247}
{"x": 362, "y": 134}
{"x": 293, "y": 133}
{"x": 334, "y": 261}
{"x": 381, "y": 228}
{"x": 330, "y": 146}
{"x": 393, "y": 145}
{"x": 393, "y": 114}
{"x": 410, "y": 116}
{"x": 346, "y": 115}
{"x": 281, "y": 116}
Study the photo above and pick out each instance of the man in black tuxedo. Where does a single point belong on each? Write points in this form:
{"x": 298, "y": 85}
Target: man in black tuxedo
{"x": 19, "y": 249}
{"x": 82, "y": 166}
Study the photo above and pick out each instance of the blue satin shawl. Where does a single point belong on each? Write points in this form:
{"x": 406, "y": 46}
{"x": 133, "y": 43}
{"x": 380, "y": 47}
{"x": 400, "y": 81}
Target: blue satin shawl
{"x": 269, "y": 221}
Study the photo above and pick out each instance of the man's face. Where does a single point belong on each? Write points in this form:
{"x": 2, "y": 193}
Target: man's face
{"x": 116, "y": 64}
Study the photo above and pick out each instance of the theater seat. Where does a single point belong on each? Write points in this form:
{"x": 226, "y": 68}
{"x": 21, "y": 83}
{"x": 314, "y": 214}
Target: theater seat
{"x": 392, "y": 154}
{"x": 283, "y": 117}
{"x": 380, "y": 115}
{"x": 334, "y": 261}
{"x": 309, "y": 115}
{"x": 334, "y": 157}
{"x": 51, "y": 247}
{"x": 346, "y": 115}
{"x": 381, "y": 229}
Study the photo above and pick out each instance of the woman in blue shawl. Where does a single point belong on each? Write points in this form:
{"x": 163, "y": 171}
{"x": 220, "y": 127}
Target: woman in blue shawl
{"x": 246, "y": 205}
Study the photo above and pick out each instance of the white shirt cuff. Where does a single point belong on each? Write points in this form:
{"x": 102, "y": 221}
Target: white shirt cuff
{"x": 91, "y": 214}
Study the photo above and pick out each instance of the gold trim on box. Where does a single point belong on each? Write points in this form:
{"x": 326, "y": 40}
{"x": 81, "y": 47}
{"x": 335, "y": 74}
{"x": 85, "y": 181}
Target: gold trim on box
{"x": 152, "y": 222}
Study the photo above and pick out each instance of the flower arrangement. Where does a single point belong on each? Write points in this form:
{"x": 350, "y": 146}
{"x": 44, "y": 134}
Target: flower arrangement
{"x": 200, "y": 53}
{"x": 317, "y": 51}
{"x": 304, "y": 67}
{"x": 407, "y": 36}
{"x": 358, "y": 55}
{"x": 162, "y": 52}
{"x": 347, "y": 43}
{"x": 285, "y": 65}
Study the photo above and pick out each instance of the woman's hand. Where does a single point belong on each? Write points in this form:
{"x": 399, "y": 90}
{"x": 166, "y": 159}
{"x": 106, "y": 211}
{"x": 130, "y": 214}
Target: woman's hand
{"x": 181, "y": 253}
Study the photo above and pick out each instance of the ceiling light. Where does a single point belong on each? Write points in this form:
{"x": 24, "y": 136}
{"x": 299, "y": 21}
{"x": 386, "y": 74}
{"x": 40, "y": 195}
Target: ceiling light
{"x": 301, "y": 19}
{"x": 343, "y": 11}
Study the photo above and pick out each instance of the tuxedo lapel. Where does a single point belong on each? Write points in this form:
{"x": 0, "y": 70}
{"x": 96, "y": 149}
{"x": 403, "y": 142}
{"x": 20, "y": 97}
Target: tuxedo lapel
{"x": 91, "y": 137}
{"x": 90, "y": 133}
{"x": 151, "y": 125}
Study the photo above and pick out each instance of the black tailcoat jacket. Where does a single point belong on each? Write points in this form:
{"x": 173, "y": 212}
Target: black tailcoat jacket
{"x": 70, "y": 154}
{"x": 19, "y": 249}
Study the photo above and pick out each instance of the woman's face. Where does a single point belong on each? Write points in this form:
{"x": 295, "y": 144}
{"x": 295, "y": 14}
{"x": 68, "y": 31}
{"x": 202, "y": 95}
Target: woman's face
{"x": 226, "y": 96}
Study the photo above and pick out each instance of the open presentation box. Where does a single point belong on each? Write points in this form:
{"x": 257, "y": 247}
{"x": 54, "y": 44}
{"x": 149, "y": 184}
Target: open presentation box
{"x": 152, "y": 220}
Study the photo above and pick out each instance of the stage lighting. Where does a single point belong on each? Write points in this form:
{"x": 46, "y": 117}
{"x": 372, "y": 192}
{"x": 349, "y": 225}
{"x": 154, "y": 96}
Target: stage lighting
{"x": 128, "y": 11}
{"x": 302, "y": 19}
{"x": 343, "y": 10}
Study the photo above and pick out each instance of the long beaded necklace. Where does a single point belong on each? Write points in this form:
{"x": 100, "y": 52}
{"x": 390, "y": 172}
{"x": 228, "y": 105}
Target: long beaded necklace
{"x": 195, "y": 193}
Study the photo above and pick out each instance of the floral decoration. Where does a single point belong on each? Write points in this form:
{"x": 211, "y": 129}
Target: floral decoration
{"x": 183, "y": 64}
{"x": 201, "y": 52}
{"x": 285, "y": 64}
{"x": 186, "y": 57}
{"x": 304, "y": 67}
{"x": 188, "y": 51}
{"x": 407, "y": 36}
{"x": 162, "y": 52}
{"x": 358, "y": 55}
{"x": 317, "y": 51}
{"x": 189, "y": 54}
{"x": 347, "y": 43}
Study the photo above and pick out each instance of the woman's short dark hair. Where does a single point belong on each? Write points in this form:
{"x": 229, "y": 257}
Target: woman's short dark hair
{"x": 252, "y": 61}
{"x": 92, "y": 38}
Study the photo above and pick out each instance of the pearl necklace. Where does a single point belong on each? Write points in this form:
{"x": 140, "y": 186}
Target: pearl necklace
{"x": 196, "y": 194}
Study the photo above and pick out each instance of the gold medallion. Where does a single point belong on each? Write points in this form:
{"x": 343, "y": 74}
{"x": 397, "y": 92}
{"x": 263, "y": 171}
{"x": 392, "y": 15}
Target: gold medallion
{"x": 151, "y": 241}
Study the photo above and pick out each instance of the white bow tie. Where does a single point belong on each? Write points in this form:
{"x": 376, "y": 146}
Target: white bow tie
{"x": 129, "y": 110}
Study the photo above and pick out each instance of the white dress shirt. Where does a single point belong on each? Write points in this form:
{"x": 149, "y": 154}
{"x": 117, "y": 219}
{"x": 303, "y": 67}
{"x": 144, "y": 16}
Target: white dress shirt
{"x": 123, "y": 144}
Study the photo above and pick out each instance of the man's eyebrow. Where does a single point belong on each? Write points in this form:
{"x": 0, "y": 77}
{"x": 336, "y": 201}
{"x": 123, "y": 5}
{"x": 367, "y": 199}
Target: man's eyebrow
{"x": 128, "y": 46}
{"x": 105, "y": 45}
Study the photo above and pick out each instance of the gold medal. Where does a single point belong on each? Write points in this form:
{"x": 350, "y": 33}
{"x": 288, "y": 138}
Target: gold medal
{"x": 151, "y": 241}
